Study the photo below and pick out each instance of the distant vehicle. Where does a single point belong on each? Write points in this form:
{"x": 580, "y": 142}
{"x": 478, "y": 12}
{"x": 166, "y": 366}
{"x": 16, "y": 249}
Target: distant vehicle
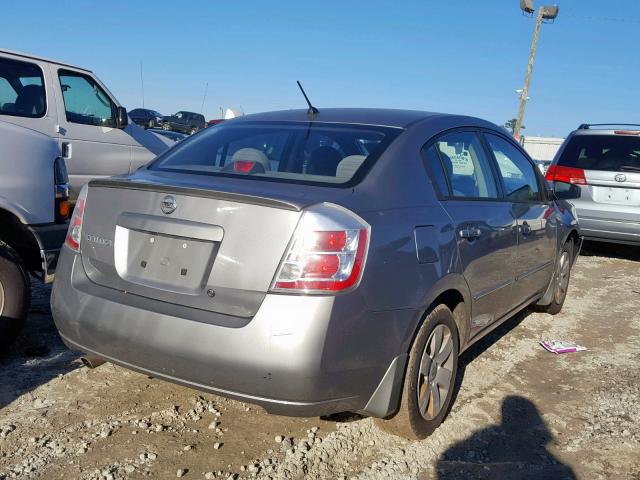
{"x": 72, "y": 106}
{"x": 271, "y": 260}
{"x": 216, "y": 121}
{"x": 603, "y": 162}
{"x": 185, "y": 122}
{"x": 34, "y": 206}
{"x": 146, "y": 118}
{"x": 175, "y": 136}
{"x": 543, "y": 165}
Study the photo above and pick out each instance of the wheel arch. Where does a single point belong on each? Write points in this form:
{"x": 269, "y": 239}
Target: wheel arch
{"x": 20, "y": 239}
{"x": 451, "y": 291}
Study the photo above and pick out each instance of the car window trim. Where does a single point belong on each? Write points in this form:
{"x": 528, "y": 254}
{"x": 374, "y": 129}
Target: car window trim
{"x": 63, "y": 71}
{"x": 542, "y": 187}
{"x": 44, "y": 88}
{"x": 476, "y": 131}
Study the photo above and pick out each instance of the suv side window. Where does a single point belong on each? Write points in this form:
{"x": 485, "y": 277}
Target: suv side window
{"x": 84, "y": 101}
{"x": 22, "y": 91}
{"x": 518, "y": 174}
{"x": 466, "y": 166}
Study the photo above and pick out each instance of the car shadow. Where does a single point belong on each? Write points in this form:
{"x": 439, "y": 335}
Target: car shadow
{"x": 513, "y": 449}
{"x": 38, "y": 354}
{"x": 475, "y": 350}
{"x": 610, "y": 250}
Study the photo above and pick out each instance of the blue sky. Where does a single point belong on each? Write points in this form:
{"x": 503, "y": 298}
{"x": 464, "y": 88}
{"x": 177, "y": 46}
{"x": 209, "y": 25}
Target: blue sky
{"x": 452, "y": 56}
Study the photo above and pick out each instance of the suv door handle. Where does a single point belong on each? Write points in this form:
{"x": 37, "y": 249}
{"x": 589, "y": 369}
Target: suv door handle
{"x": 67, "y": 150}
{"x": 470, "y": 233}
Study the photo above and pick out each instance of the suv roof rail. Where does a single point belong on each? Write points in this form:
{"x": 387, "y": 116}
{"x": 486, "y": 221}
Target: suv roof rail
{"x": 587, "y": 126}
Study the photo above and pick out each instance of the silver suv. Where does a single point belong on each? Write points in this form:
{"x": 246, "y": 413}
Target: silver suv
{"x": 603, "y": 162}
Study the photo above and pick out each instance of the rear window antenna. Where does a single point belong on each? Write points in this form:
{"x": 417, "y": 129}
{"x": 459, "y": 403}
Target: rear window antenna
{"x": 313, "y": 111}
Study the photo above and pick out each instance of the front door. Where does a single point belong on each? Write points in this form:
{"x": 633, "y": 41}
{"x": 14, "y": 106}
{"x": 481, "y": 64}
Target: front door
{"x": 90, "y": 142}
{"x": 484, "y": 224}
{"x": 523, "y": 189}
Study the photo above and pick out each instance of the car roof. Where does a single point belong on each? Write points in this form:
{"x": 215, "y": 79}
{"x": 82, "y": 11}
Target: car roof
{"x": 43, "y": 59}
{"x": 604, "y": 128}
{"x": 362, "y": 116}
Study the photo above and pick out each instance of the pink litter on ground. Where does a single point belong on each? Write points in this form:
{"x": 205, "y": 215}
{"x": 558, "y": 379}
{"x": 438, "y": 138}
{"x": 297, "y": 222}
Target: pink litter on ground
{"x": 561, "y": 346}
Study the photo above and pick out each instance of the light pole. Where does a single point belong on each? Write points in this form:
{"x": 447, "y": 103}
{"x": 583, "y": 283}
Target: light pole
{"x": 548, "y": 13}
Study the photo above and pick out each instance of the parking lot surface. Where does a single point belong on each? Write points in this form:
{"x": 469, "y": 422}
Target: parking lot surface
{"x": 520, "y": 411}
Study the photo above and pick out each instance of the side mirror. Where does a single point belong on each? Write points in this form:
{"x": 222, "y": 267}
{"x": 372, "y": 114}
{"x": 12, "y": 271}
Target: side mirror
{"x": 566, "y": 191}
{"x": 122, "y": 120}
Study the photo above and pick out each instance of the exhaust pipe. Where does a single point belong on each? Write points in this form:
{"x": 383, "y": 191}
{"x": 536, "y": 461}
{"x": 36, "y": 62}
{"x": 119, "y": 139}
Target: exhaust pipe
{"x": 91, "y": 361}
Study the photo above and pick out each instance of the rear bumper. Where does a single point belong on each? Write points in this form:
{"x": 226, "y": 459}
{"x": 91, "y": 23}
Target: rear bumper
{"x": 50, "y": 238}
{"x": 298, "y": 356}
{"x": 609, "y": 230}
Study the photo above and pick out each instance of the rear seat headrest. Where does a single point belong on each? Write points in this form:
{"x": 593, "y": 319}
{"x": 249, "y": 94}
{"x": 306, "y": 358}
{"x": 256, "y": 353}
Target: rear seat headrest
{"x": 349, "y": 165}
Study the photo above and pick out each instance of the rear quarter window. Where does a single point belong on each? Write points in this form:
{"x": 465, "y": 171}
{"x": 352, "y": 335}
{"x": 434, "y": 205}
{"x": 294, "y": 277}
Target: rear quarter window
{"x": 316, "y": 153}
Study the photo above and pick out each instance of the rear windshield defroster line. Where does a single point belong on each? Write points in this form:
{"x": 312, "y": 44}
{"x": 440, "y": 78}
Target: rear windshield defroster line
{"x": 312, "y": 153}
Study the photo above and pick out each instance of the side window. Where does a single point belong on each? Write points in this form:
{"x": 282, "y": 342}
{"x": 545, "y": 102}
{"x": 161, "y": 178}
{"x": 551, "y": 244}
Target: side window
{"x": 434, "y": 167}
{"x": 84, "y": 101}
{"x": 466, "y": 166}
{"x": 22, "y": 91}
{"x": 518, "y": 174}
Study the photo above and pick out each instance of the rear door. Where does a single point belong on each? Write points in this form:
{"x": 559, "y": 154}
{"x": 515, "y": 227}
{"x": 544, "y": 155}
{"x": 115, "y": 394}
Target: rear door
{"x": 536, "y": 225}
{"x": 484, "y": 224}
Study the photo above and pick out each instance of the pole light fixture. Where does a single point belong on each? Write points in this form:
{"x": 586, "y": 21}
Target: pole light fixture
{"x": 546, "y": 14}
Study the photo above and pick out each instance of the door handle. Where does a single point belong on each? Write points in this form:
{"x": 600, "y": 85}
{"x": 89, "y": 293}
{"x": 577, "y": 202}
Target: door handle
{"x": 470, "y": 233}
{"x": 67, "y": 151}
{"x": 525, "y": 229}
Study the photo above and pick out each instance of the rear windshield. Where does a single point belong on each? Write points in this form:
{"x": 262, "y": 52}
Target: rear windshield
{"x": 602, "y": 152}
{"x": 279, "y": 151}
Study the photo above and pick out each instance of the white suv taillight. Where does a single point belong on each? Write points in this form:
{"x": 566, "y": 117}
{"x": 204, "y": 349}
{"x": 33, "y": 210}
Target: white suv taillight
{"x": 327, "y": 252}
{"x": 74, "y": 234}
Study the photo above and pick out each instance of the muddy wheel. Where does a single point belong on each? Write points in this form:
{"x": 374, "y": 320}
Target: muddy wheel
{"x": 430, "y": 378}
{"x": 561, "y": 279}
{"x": 15, "y": 295}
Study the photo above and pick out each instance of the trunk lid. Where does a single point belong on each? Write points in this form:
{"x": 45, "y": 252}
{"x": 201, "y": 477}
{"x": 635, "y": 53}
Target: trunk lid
{"x": 207, "y": 249}
{"x": 614, "y": 187}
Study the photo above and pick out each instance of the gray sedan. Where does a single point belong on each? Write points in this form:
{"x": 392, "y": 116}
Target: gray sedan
{"x": 315, "y": 263}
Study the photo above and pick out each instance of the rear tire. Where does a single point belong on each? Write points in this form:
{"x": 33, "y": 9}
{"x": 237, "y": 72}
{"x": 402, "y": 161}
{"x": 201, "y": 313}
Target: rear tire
{"x": 193, "y": 130}
{"x": 15, "y": 295}
{"x": 166, "y": 126}
{"x": 430, "y": 378}
{"x": 561, "y": 277}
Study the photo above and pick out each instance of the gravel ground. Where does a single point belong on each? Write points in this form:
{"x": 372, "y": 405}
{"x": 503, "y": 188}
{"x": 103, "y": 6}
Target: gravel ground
{"x": 520, "y": 411}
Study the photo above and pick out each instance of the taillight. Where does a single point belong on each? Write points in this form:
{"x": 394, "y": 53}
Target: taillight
{"x": 574, "y": 176}
{"x": 74, "y": 234}
{"x": 327, "y": 253}
{"x": 61, "y": 185}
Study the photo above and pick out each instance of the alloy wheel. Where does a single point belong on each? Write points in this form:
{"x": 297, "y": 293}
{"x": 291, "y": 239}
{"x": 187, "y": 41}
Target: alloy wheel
{"x": 1, "y": 299}
{"x": 436, "y": 372}
{"x": 562, "y": 277}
